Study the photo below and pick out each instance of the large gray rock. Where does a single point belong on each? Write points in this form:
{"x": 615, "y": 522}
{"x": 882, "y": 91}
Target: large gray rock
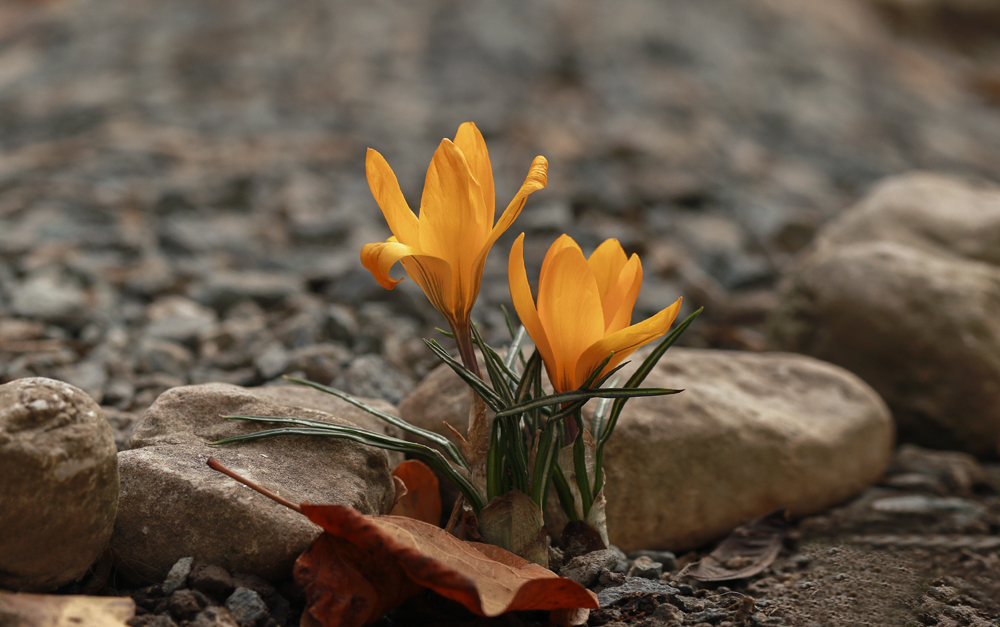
{"x": 903, "y": 289}
{"x": 58, "y": 483}
{"x": 174, "y": 506}
{"x": 750, "y": 433}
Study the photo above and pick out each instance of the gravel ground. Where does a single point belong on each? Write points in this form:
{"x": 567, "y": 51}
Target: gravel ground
{"x": 182, "y": 195}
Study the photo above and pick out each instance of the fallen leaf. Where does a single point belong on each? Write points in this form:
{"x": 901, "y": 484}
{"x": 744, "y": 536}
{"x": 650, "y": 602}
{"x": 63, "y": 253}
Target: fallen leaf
{"x": 366, "y": 581}
{"x": 47, "y": 610}
{"x": 748, "y": 550}
{"x": 422, "y": 500}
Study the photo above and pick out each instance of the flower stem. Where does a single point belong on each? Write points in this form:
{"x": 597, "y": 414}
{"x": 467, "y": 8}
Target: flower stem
{"x": 466, "y": 349}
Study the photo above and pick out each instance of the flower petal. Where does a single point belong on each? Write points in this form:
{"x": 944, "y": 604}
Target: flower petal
{"x": 435, "y": 278}
{"x": 535, "y": 181}
{"x": 470, "y": 141}
{"x": 620, "y": 299}
{"x": 569, "y": 307}
{"x": 607, "y": 263}
{"x": 379, "y": 257}
{"x": 385, "y": 188}
{"x": 452, "y": 219}
{"x": 524, "y": 304}
{"x": 626, "y": 341}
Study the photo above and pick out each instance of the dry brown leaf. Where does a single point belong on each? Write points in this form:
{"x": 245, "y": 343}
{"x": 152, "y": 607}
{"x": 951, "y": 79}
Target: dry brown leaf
{"x": 47, "y": 610}
{"x": 422, "y": 500}
{"x": 366, "y": 580}
{"x": 748, "y": 550}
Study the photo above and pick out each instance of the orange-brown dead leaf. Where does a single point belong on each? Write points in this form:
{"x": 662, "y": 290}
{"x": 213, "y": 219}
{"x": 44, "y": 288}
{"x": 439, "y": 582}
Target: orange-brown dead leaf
{"x": 422, "y": 500}
{"x": 354, "y": 573}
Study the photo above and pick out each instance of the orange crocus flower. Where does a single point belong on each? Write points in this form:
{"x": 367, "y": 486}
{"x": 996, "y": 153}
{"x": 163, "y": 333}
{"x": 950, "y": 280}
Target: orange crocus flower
{"x": 444, "y": 248}
{"x": 584, "y": 308}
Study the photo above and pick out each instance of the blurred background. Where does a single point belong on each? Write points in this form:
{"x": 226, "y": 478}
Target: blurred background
{"x": 182, "y": 190}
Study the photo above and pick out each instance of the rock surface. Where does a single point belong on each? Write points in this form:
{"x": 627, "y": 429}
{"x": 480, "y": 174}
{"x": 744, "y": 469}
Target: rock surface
{"x": 750, "y": 433}
{"x": 174, "y": 506}
{"x": 903, "y": 289}
{"x": 59, "y": 492}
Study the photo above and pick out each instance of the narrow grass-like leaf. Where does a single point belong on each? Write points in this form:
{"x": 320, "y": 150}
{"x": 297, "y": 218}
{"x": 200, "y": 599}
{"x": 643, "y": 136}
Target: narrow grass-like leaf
{"x": 634, "y": 381}
{"x": 491, "y": 398}
{"x": 517, "y": 452}
{"x": 602, "y": 411}
{"x": 514, "y": 336}
{"x": 580, "y": 466}
{"x": 494, "y": 464}
{"x": 493, "y": 370}
{"x": 514, "y": 350}
{"x": 396, "y": 421}
{"x": 582, "y": 395}
{"x": 545, "y": 457}
{"x": 426, "y": 454}
{"x": 596, "y": 372}
{"x": 532, "y": 368}
{"x": 564, "y": 493}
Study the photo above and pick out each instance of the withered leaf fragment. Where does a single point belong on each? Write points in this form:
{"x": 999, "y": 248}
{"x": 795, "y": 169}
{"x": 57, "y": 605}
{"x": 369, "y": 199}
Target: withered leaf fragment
{"x": 748, "y": 550}
{"x": 422, "y": 500}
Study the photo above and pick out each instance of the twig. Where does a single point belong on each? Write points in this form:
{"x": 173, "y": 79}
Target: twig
{"x": 216, "y": 465}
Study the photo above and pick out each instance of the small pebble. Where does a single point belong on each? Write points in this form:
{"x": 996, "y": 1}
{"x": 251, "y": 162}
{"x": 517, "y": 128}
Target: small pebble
{"x": 667, "y": 558}
{"x": 178, "y": 575}
{"x": 247, "y": 607}
{"x": 211, "y": 579}
{"x": 646, "y": 568}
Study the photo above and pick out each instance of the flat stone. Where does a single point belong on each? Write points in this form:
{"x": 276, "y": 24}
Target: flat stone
{"x": 59, "y": 492}
{"x": 173, "y": 505}
{"x": 903, "y": 289}
{"x": 751, "y": 433}
{"x": 633, "y": 585}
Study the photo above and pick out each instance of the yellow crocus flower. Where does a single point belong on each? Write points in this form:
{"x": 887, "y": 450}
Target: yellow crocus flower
{"x": 444, "y": 248}
{"x": 584, "y": 308}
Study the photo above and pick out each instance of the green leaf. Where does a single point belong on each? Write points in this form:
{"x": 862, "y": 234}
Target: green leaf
{"x": 494, "y": 464}
{"x": 532, "y": 368}
{"x": 580, "y": 467}
{"x": 564, "y": 493}
{"x": 493, "y": 370}
{"x": 545, "y": 458}
{"x": 396, "y": 421}
{"x": 491, "y": 398}
{"x": 517, "y": 452}
{"x": 426, "y": 454}
{"x": 581, "y": 395}
{"x": 634, "y": 381}
{"x": 514, "y": 350}
{"x": 602, "y": 411}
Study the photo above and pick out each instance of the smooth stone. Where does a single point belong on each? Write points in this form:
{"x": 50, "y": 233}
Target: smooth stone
{"x": 751, "y": 433}
{"x": 58, "y": 484}
{"x": 174, "y": 506}
{"x": 903, "y": 290}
